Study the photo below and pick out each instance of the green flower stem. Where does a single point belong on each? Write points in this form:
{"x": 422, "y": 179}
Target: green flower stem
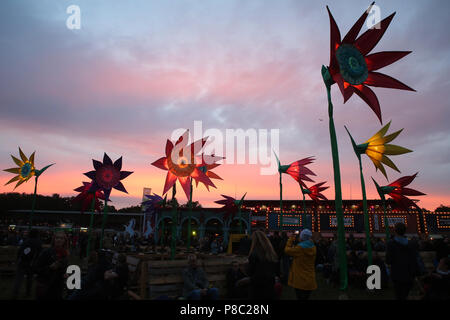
{"x": 304, "y": 222}
{"x": 189, "y": 220}
{"x": 33, "y": 204}
{"x": 240, "y": 222}
{"x": 161, "y": 241}
{"x": 281, "y": 204}
{"x": 366, "y": 214}
{"x": 105, "y": 216}
{"x": 337, "y": 186}
{"x": 174, "y": 212}
{"x": 386, "y": 224}
{"x": 91, "y": 225}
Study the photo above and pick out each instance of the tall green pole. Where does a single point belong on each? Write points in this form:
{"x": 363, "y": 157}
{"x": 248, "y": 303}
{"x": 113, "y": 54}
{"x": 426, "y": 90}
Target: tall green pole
{"x": 240, "y": 217}
{"x": 386, "y": 223}
{"x": 174, "y": 212}
{"x": 337, "y": 185}
{"x": 281, "y": 204}
{"x": 105, "y": 215}
{"x": 366, "y": 214}
{"x": 91, "y": 225}
{"x": 161, "y": 241}
{"x": 304, "y": 218}
{"x": 189, "y": 220}
{"x": 33, "y": 204}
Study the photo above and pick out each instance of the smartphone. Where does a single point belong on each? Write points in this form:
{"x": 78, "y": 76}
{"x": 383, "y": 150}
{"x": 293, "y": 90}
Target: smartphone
{"x": 297, "y": 232}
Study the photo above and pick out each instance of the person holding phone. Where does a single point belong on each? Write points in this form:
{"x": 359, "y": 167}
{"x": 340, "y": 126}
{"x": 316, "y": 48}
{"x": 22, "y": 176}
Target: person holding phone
{"x": 302, "y": 275}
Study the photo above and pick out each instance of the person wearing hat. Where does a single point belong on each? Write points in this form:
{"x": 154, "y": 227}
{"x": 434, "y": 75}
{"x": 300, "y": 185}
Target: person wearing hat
{"x": 302, "y": 275}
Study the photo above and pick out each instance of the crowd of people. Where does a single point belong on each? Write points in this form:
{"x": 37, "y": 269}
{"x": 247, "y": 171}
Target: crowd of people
{"x": 274, "y": 261}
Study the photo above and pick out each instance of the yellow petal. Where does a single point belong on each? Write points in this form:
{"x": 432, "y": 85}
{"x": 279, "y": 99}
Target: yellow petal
{"x": 374, "y": 155}
{"x": 19, "y": 183}
{"x": 17, "y": 161}
{"x": 393, "y": 150}
{"x": 12, "y": 180}
{"x": 380, "y": 133}
{"x": 379, "y": 165}
{"x": 13, "y": 170}
{"x": 23, "y": 156}
{"x": 379, "y": 148}
{"x": 386, "y": 139}
{"x": 32, "y": 159}
{"x": 389, "y": 163}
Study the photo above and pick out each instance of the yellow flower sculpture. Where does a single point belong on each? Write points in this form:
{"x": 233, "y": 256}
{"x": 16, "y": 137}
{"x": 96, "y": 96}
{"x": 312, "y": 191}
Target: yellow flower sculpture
{"x": 378, "y": 148}
{"x": 24, "y": 171}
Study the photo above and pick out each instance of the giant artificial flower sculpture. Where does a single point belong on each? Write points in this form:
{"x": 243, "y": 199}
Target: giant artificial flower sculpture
{"x": 299, "y": 172}
{"x": 353, "y": 69}
{"x": 399, "y": 193}
{"x": 153, "y": 205}
{"x": 231, "y": 207}
{"x": 315, "y": 192}
{"x": 86, "y": 197}
{"x": 106, "y": 176}
{"x": 25, "y": 171}
{"x": 180, "y": 162}
{"x": 397, "y": 190}
{"x": 377, "y": 148}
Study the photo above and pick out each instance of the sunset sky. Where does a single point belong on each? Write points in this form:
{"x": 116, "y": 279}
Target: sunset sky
{"x": 138, "y": 70}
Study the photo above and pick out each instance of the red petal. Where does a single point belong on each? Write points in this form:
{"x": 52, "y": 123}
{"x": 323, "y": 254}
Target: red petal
{"x": 170, "y": 180}
{"x": 370, "y": 98}
{"x": 376, "y": 79}
{"x": 346, "y": 91}
{"x": 382, "y": 59}
{"x": 403, "y": 181}
{"x": 169, "y": 147}
{"x": 335, "y": 38}
{"x": 212, "y": 175}
{"x": 354, "y": 31}
{"x": 369, "y": 39}
{"x": 411, "y": 192}
{"x": 186, "y": 185}
{"x": 161, "y": 163}
{"x": 198, "y": 175}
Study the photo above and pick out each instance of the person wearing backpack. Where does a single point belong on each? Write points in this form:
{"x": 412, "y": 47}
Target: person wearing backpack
{"x": 26, "y": 256}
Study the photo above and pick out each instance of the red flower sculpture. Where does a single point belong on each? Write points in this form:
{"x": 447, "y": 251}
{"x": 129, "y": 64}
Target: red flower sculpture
{"x": 398, "y": 192}
{"x": 107, "y": 175}
{"x": 315, "y": 192}
{"x": 352, "y": 67}
{"x": 180, "y": 167}
{"x": 298, "y": 170}
{"x": 85, "y": 197}
{"x": 230, "y": 205}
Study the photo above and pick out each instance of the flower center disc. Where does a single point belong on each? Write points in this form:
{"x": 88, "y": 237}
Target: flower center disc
{"x": 25, "y": 170}
{"x": 182, "y": 167}
{"x": 352, "y": 64}
{"x": 107, "y": 177}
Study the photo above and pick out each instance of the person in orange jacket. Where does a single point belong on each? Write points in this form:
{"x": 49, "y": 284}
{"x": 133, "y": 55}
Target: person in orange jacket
{"x": 302, "y": 275}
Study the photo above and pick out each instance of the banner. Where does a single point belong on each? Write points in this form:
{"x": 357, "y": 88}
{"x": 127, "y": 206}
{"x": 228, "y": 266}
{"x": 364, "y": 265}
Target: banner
{"x": 349, "y": 221}
{"x": 376, "y": 225}
{"x": 392, "y": 221}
